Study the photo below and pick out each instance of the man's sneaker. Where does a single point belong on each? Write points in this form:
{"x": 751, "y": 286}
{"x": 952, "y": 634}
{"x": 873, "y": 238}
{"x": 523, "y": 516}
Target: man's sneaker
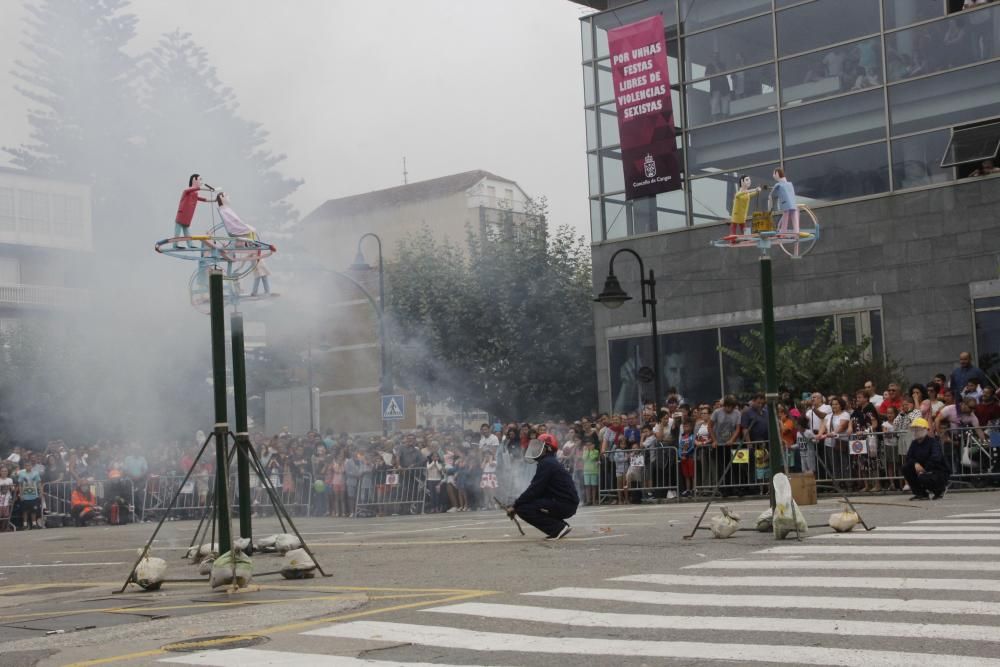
{"x": 561, "y": 534}
{"x": 921, "y": 497}
{"x": 939, "y": 496}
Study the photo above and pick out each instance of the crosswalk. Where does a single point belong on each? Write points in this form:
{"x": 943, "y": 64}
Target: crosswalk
{"x": 848, "y": 599}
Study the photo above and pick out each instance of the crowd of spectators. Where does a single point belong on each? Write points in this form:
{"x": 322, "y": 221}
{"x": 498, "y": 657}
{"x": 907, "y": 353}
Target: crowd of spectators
{"x": 635, "y": 457}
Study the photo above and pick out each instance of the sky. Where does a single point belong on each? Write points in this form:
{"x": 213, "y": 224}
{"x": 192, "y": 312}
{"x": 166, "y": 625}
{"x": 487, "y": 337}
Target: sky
{"x": 347, "y": 89}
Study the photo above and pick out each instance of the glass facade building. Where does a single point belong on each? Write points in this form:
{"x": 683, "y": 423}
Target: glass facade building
{"x": 855, "y": 98}
{"x": 878, "y": 110}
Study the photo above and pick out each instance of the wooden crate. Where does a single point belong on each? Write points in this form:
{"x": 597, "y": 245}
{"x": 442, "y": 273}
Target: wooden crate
{"x": 803, "y": 487}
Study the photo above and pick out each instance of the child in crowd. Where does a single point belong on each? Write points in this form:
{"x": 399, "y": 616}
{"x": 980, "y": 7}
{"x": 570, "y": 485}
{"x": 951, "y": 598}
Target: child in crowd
{"x": 634, "y": 474}
{"x": 686, "y": 448}
{"x": 591, "y": 470}
{"x": 488, "y": 483}
{"x": 621, "y": 467}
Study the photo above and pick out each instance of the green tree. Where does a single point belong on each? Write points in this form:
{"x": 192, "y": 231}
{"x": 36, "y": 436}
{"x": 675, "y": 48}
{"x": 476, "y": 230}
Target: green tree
{"x": 824, "y": 364}
{"x": 505, "y": 326}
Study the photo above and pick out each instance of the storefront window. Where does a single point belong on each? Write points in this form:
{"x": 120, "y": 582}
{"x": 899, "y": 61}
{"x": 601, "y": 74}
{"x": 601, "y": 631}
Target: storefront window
{"x": 731, "y": 95}
{"x": 854, "y": 172}
{"x": 916, "y": 160}
{"x": 732, "y": 145}
{"x": 843, "y": 121}
{"x": 948, "y": 99}
{"x": 730, "y": 47}
{"x": 961, "y": 39}
{"x": 831, "y": 72}
{"x": 815, "y": 24}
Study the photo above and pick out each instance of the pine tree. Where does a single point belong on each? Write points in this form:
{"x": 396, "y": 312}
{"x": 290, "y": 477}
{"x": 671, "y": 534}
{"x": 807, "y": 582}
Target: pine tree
{"x": 192, "y": 125}
{"x": 80, "y": 82}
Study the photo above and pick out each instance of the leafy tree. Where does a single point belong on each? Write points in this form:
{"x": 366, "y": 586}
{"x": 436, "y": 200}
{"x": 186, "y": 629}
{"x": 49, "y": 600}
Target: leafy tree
{"x": 505, "y": 326}
{"x": 824, "y": 364}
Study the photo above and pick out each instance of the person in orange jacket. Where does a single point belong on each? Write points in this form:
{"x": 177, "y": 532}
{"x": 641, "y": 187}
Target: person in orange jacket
{"x": 83, "y": 504}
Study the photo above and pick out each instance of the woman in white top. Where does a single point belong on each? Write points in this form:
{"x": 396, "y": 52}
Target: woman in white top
{"x": 435, "y": 475}
{"x": 836, "y": 427}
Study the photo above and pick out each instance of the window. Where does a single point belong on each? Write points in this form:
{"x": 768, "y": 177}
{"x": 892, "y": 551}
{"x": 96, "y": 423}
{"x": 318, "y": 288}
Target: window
{"x": 900, "y": 13}
{"x": 593, "y": 174}
{"x": 591, "y": 122}
{"x": 33, "y": 212}
{"x": 596, "y": 226}
{"x": 588, "y": 85}
{"x": 729, "y": 146}
{"x": 972, "y": 144}
{"x": 508, "y": 195}
{"x": 916, "y": 160}
{"x": 825, "y": 73}
{"x": 854, "y": 172}
{"x": 609, "y": 125}
{"x": 491, "y": 193}
{"x": 690, "y": 362}
{"x": 701, "y": 14}
{"x": 611, "y": 165}
{"x": 962, "y": 39}
{"x": 987, "y": 318}
{"x": 815, "y": 24}
{"x": 10, "y": 271}
{"x": 586, "y": 39}
{"x": 629, "y": 14}
{"x": 852, "y": 119}
{"x": 8, "y": 221}
{"x": 670, "y": 210}
{"x": 731, "y": 47}
{"x": 731, "y": 95}
{"x": 949, "y": 99}
{"x": 712, "y": 196}
{"x": 605, "y": 84}
{"x": 615, "y": 218}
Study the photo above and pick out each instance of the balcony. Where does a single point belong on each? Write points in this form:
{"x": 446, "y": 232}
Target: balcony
{"x": 43, "y": 296}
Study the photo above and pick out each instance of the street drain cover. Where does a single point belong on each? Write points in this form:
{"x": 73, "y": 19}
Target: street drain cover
{"x": 218, "y": 642}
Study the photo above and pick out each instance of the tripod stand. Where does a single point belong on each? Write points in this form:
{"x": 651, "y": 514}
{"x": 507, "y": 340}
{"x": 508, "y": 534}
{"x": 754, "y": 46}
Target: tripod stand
{"x": 221, "y": 435}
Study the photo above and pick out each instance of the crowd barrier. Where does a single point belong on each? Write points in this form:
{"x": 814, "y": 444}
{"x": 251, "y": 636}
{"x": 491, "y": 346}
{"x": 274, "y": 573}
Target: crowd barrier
{"x": 393, "y": 491}
{"x": 57, "y": 498}
{"x": 195, "y": 495}
{"x": 629, "y": 475}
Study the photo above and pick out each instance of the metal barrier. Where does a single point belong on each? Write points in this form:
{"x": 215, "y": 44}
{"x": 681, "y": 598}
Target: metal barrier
{"x": 57, "y": 496}
{"x": 742, "y": 468}
{"x": 974, "y": 455}
{"x": 628, "y": 476}
{"x": 195, "y": 496}
{"x": 396, "y": 490}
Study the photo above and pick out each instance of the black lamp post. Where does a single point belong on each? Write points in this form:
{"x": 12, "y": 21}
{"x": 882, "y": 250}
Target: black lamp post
{"x": 613, "y": 296}
{"x": 361, "y": 265}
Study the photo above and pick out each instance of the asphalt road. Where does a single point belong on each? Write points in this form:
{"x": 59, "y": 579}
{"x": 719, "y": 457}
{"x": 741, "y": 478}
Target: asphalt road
{"x": 465, "y": 589}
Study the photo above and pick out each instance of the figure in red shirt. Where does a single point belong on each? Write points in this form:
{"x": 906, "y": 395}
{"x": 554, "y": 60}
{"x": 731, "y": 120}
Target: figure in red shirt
{"x": 185, "y": 209}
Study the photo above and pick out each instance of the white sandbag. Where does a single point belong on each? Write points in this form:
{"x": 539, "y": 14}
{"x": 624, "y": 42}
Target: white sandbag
{"x": 726, "y": 524}
{"x": 150, "y": 573}
{"x": 205, "y": 568}
{"x": 241, "y": 543}
{"x": 297, "y": 565}
{"x": 764, "y": 520}
{"x": 284, "y": 543}
{"x": 844, "y": 521}
{"x": 266, "y": 544}
{"x": 787, "y": 515}
{"x": 231, "y": 568}
{"x": 200, "y": 552}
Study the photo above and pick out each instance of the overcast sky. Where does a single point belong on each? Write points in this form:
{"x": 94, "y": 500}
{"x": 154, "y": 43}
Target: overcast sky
{"x": 346, "y": 89}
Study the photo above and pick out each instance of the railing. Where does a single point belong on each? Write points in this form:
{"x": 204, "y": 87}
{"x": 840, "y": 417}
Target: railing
{"x": 195, "y": 496}
{"x": 57, "y": 496}
{"x": 395, "y": 490}
{"x": 43, "y": 295}
{"x": 627, "y": 476}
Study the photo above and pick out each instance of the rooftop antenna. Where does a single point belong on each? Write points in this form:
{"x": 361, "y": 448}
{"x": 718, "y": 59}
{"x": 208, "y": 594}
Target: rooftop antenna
{"x": 405, "y": 173}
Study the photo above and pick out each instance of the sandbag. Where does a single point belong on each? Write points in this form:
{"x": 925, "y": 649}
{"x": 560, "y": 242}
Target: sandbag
{"x": 787, "y": 515}
{"x": 284, "y": 543}
{"x": 297, "y": 565}
{"x": 726, "y": 524}
{"x": 764, "y": 520}
{"x": 844, "y": 521}
{"x": 200, "y": 552}
{"x": 231, "y": 568}
{"x": 266, "y": 544}
{"x": 205, "y": 569}
{"x": 150, "y": 573}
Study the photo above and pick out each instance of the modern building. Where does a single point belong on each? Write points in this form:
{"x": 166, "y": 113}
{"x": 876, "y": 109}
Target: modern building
{"x": 45, "y": 241}
{"x": 344, "y": 350}
{"x": 879, "y": 111}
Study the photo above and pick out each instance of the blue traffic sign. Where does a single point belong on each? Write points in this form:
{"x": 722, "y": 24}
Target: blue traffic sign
{"x": 393, "y": 408}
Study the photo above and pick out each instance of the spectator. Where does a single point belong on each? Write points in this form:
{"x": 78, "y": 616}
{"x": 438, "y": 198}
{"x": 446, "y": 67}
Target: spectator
{"x": 986, "y": 168}
{"x": 488, "y": 442}
{"x": 892, "y": 398}
{"x": 988, "y": 409}
{"x": 723, "y": 431}
{"x": 956, "y": 416}
{"x": 874, "y": 397}
{"x": 29, "y": 483}
{"x": 926, "y": 470}
{"x": 933, "y": 403}
{"x": 435, "y": 478}
{"x": 84, "y": 507}
{"x": 834, "y": 432}
{"x": 591, "y": 462}
{"x": 964, "y": 373}
{"x": 816, "y": 417}
{"x": 6, "y": 497}
{"x": 686, "y": 448}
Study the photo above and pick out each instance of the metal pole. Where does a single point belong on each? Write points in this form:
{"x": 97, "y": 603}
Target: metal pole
{"x": 651, "y": 283}
{"x": 242, "y": 428}
{"x": 221, "y": 418}
{"x": 770, "y": 368}
{"x": 384, "y": 380}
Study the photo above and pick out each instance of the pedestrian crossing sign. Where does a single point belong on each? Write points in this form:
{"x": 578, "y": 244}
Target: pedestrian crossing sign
{"x": 393, "y": 408}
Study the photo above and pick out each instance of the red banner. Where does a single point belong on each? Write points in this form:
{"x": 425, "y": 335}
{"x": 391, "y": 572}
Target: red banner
{"x": 645, "y": 115}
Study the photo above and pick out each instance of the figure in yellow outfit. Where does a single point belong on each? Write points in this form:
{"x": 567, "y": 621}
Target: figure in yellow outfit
{"x": 741, "y": 205}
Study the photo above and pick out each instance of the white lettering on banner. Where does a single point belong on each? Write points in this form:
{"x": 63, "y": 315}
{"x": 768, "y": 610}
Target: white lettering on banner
{"x": 648, "y": 50}
{"x": 638, "y": 67}
{"x": 639, "y": 95}
{"x": 644, "y": 108}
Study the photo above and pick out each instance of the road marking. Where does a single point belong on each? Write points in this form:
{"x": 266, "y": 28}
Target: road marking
{"x": 937, "y": 529}
{"x": 877, "y": 583}
{"x": 775, "y": 601}
{"x": 819, "y": 626}
{"x": 737, "y": 566}
{"x": 879, "y": 535}
{"x": 881, "y": 550}
{"x": 7, "y": 567}
{"x": 441, "y": 637}
{"x": 980, "y": 515}
{"x": 250, "y": 657}
{"x": 960, "y": 522}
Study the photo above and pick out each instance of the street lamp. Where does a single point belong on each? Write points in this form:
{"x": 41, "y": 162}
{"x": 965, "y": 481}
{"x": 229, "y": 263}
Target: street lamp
{"x": 360, "y": 264}
{"x": 613, "y": 296}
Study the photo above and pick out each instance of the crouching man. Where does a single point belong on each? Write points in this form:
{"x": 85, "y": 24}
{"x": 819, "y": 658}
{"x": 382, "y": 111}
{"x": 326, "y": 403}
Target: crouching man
{"x": 551, "y": 497}
{"x": 926, "y": 469}
{"x": 84, "y": 505}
